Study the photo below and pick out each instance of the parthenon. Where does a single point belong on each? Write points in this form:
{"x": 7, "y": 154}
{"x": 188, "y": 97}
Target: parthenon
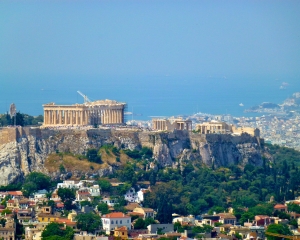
{"x": 90, "y": 113}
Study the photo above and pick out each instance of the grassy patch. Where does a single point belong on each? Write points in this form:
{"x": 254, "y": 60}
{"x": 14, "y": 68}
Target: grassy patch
{"x": 69, "y": 162}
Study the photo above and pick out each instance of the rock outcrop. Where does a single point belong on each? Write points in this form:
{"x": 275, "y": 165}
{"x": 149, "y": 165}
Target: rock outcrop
{"x": 23, "y": 150}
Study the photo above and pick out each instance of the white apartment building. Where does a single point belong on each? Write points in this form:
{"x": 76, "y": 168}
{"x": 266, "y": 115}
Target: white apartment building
{"x": 70, "y": 184}
{"x": 94, "y": 190}
{"x": 116, "y": 219}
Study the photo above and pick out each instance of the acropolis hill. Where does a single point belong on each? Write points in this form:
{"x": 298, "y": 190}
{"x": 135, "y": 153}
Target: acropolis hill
{"x": 25, "y": 149}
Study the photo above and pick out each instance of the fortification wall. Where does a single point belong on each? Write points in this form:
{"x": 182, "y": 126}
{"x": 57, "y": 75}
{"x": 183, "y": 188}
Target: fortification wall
{"x": 7, "y": 135}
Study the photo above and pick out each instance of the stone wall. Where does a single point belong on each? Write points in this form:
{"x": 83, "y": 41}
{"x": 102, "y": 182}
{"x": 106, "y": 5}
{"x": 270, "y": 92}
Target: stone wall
{"x": 7, "y": 135}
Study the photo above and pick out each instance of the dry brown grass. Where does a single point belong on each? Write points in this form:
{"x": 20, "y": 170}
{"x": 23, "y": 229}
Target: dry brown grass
{"x": 108, "y": 157}
{"x": 72, "y": 163}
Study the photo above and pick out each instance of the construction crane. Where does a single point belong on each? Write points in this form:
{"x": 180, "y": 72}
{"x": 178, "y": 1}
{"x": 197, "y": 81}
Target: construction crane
{"x": 85, "y": 98}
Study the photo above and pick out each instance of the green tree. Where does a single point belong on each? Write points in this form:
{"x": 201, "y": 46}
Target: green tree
{"x": 103, "y": 208}
{"x": 67, "y": 196}
{"x": 149, "y": 221}
{"x": 104, "y": 184}
{"x": 246, "y": 216}
{"x": 85, "y": 203}
{"x": 18, "y": 119}
{"x": 36, "y": 181}
{"x": 56, "y": 231}
{"x": 139, "y": 224}
{"x": 51, "y": 203}
{"x": 294, "y": 223}
{"x": 93, "y": 156}
{"x": 279, "y": 229}
{"x": 152, "y": 178}
{"x": 164, "y": 213}
{"x": 6, "y": 211}
{"x": 292, "y": 207}
{"x": 88, "y": 222}
{"x": 2, "y": 222}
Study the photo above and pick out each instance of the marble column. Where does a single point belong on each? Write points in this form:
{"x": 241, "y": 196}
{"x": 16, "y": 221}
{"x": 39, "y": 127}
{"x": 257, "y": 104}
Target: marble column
{"x": 52, "y": 117}
{"x": 60, "y": 117}
{"x": 49, "y": 117}
{"x": 71, "y": 117}
{"x": 44, "y": 117}
{"x": 65, "y": 117}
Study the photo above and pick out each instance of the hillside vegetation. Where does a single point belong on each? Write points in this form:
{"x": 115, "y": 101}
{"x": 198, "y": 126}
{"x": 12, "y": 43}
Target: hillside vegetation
{"x": 94, "y": 159}
{"x": 190, "y": 189}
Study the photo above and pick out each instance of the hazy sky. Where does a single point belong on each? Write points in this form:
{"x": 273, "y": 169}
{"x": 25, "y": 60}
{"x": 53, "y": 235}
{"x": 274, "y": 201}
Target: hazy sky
{"x": 167, "y": 53}
{"x": 150, "y": 37}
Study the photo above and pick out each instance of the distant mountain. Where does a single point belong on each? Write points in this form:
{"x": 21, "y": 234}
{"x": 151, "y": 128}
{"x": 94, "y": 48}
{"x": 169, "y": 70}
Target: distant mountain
{"x": 290, "y": 104}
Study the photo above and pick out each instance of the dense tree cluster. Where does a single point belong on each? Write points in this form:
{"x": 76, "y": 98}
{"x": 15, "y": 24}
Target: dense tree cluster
{"x": 282, "y": 229}
{"x": 93, "y": 155}
{"x": 20, "y": 119}
{"x": 57, "y": 231}
{"x": 195, "y": 188}
{"x": 88, "y": 222}
{"x": 142, "y": 224}
{"x": 67, "y": 196}
{"x": 35, "y": 181}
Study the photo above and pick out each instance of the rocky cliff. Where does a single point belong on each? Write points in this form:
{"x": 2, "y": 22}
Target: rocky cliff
{"x": 23, "y": 150}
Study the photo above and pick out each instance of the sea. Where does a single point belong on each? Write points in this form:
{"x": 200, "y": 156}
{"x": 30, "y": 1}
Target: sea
{"x": 148, "y": 96}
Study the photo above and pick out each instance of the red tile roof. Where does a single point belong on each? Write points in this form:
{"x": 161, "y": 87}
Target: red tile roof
{"x": 15, "y": 193}
{"x": 66, "y": 221}
{"x": 60, "y": 205}
{"x": 280, "y": 206}
{"x": 123, "y": 228}
{"x": 115, "y": 215}
{"x": 84, "y": 193}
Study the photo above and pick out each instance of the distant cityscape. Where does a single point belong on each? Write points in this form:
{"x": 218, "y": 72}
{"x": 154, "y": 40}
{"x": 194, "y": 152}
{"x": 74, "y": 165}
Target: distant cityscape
{"x": 281, "y": 130}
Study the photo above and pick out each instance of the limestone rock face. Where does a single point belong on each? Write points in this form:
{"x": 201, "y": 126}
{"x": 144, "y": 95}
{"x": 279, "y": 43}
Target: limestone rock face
{"x": 23, "y": 150}
{"x": 161, "y": 154}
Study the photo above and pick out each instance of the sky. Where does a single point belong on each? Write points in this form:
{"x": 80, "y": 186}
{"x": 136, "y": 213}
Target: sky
{"x": 94, "y": 46}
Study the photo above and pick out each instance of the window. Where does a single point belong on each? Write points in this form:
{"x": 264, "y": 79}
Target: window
{"x": 112, "y": 221}
{"x": 120, "y": 221}
{"x": 127, "y": 221}
{"x": 116, "y": 221}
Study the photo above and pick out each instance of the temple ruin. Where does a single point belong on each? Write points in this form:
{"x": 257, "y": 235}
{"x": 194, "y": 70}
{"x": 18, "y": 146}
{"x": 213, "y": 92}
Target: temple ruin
{"x": 217, "y": 127}
{"x": 90, "y": 113}
{"x": 170, "y": 124}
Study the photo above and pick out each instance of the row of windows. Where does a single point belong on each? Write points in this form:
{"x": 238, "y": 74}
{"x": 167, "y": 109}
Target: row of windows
{"x": 114, "y": 222}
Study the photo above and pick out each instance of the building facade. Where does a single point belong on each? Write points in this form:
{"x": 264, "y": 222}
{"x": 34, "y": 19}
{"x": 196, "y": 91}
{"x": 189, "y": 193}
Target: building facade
{"x": 216, "y": 127}
{"x": 213, "y": 127}
{"x": 115, "y": 220}
{"x": 171, "y": 124}
{"x": 90, "y": 113}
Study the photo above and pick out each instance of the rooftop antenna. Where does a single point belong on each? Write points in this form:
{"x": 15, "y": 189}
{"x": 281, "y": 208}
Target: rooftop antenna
{"x": 85, "y": 97}
{"x": 13, "y": 112}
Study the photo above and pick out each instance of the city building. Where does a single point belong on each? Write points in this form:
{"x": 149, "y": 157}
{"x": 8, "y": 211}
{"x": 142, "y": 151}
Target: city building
{"x": 115, "y": 220}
